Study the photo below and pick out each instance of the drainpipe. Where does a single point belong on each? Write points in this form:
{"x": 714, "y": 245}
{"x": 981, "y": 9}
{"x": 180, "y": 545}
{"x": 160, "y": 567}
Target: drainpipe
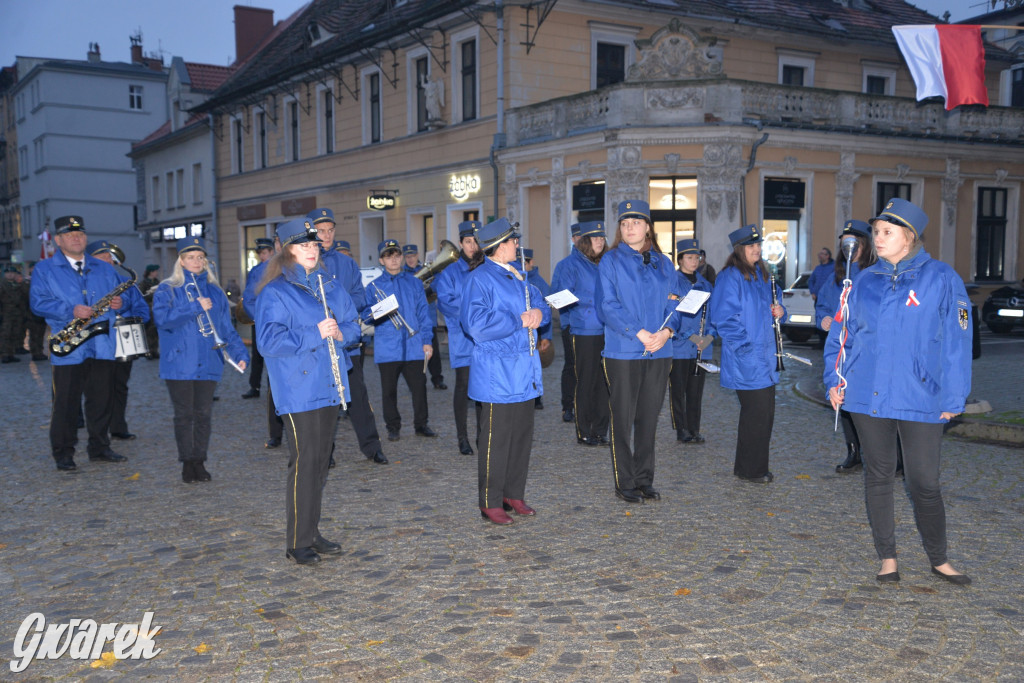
{"x": 499, "y": 135}
{"x": 750, "y": 167}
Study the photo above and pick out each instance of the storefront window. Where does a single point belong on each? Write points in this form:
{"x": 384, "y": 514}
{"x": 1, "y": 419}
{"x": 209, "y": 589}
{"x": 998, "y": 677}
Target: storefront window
{"x": 673, "y": 210}
{"x": 785, "y": 232}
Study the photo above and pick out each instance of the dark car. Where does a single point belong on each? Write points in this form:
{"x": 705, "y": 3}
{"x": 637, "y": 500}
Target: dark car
{"x": 1004, "y": 308}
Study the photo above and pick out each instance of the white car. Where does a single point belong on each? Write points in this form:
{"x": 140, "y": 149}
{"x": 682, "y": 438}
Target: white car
{"x": 799, "y": 322}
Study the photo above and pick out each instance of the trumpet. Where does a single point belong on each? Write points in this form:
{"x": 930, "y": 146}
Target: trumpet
{"x": 204, "y": 319}
{"x": 395, "y": 316}
{"x": 335, "y": 367}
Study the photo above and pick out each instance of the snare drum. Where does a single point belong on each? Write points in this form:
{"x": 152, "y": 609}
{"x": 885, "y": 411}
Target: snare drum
{"x": 131, "y": 339}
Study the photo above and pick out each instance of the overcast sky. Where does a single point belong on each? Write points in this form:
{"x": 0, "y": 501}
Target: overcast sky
{"x": 197, "y": 30}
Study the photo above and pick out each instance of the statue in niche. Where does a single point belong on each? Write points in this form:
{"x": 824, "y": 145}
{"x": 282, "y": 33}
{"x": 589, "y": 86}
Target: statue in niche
{"x": 434, "y": 94}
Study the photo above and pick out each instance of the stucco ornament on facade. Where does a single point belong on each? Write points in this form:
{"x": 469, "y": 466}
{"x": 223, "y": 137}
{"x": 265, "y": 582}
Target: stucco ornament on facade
{"x": 1001, "y": 174}
{"x": 511, "y": 193}
{"x": 951, "y": 184}
{"x": 845, "y": 179}
{"x": 675, "y": 52}
{"x": 625, "y": 178}
{"x": 902, "y": 170}
{"x": 672, "y": 163}
{"x": 789, "y": 165}
{"x": 557, "y": 190}
{"x": 718, "y": 180}
{"x": 675, "y": 98}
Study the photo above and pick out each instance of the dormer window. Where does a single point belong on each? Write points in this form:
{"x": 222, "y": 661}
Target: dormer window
{"x": 317, "y": 35}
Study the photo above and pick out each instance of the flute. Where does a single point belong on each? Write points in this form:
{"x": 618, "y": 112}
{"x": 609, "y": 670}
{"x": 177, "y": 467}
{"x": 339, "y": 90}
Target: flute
{"x": 779, "y": 367}
{"x": 529, "y": 332}
{"x": 335, "y": 366}
{"x": 700, "y": 333}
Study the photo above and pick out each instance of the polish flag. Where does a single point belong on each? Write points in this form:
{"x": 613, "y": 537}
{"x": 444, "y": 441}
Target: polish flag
{"x": 946, "y": 60}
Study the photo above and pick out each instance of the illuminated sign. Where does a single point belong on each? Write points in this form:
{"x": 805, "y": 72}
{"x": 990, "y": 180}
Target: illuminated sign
{"x": 381, "y": 200}
{"x": 774, "y": 248}
{"x": 460, "y": 187}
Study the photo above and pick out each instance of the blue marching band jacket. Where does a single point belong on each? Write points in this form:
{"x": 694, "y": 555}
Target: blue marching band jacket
{"x": 431, "y": 305}
{"x": 741, "y": 313}
{"x": 909, "y": 341}
{"x": 394, "y": 343}
{"x": 689, "y": 323}
{"x": 252, "y": 281}
{"x": 185, "y": 354}
{"x": 493, "y": 301}
{"x": 534, "y": 277}
{"x": 57, "y": 288}
{"x": 346, "y": 271}
{"x": 288, "y": 311}
{"x": 829, "y": 291}
{"x": 448, "y": 287}
{"x": 632, "y": 296}
{"x": 579, "y": 275}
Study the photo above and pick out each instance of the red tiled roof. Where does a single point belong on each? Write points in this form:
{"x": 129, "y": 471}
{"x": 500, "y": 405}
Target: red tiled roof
{"x": 207, "y": 77}
{"x": 155, "y": 135}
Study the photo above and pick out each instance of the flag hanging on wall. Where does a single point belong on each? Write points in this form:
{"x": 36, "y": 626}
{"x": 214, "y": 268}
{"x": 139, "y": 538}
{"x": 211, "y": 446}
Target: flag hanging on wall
{"x": 946, "y": 60}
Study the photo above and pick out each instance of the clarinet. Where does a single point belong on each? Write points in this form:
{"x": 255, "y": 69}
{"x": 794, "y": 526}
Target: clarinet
{"x": 529, "y": 332}
{"x": 332, "y": 350}
{"x": 700, "y": 333}
{"x": 779, "y": 367}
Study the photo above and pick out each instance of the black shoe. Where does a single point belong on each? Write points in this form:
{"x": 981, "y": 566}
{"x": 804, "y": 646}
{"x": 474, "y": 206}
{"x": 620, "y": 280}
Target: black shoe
{"x": 464, "y": 447}
{"x": 302, "y": 555}
{"x": 440, "y": 386}
{"x": 22, "y": 351}
{"x": 686, "y": 437}
{"x": 630, "y": 495}
{"x": 39, "y": 356}
{"x": 272, "y": 442}
{"x": 601, "y": 440}
{"x": 252, "y": 393}
{"x": 109, "y": 456}
{"x": 425, "y": 431}
{"x": 394, "y": 435}
{"x": 201, "y": 473}
{"x": 891, "y": 577}
{"x": 648, "y": 492}
{"x": 10, "y": 359}
{"x": 763, "y": 479}
{"x": 123, "y": 436}
{"x": 955, "y": 579}
{"x": 538, "y": 403}
{"x": 852, "y": 462}
{"x": 586, "y": 441}
{"x": 378, "y": 458}
{"x": 567, "y": 415}
{"x": 188, "y": 473}
{"x": 66, "y": 465}
{"x": 324, "y": 547}
{"x": 216, "y": 398}
{"x": 697, "y": 438}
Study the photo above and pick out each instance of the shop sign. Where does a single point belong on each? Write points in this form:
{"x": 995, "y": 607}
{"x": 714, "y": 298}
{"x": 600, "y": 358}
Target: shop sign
{"x": 460, "y": 187}
{"x": 588, "y": 197}
{"x": 251, "y": 212}
{"x": 380, "y": 201}
{"x": 784, "y": 194}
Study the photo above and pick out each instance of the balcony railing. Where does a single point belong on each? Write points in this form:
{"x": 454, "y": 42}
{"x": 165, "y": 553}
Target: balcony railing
{"x": 727, "y": 102}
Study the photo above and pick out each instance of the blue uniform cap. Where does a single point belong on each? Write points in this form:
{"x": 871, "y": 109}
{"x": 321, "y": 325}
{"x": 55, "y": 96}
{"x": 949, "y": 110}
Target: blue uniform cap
{"x": 493, "y": 234}
{"x": 342, "y": 245}
{"x": 298, "y": 231}
{"x": 191, "y": 244}
{"x": 98, "y": 247}
{"x": 528, "y": 254}
{"x": 388, "y": 245}
{"x": 905, "y": 213}
{"x": 320, "y": 216}
{"x": 688, "y": 247}
{"x": 264, "y": 243}
{"x": 469, "y": 228}
{"x": 410, "y": 249}
{"x": 748, "y": 234}
{"x": 634, "y": 208}
{"x": 574, "y": 229}
{"x": 859, "y": 228}
{"x": 590, "y": 229}
{"x": 68, "y": 224}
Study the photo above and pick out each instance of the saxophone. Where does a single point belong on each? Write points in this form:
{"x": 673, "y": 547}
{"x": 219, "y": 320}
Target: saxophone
{"x": 80, "y": 330}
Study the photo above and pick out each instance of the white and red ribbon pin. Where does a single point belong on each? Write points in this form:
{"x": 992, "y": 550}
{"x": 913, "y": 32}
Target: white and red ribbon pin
{"x": 912, "y": 299}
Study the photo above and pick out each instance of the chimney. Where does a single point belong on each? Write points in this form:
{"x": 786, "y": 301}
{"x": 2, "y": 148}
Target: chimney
{"x": 94, "y": 52}
{"x": 136, "y": 41}
{"x": 252, "y": 25}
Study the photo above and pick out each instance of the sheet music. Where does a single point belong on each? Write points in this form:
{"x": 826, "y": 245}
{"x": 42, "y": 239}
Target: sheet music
{"x": 692, "y": 302}
{"x": 561, "y": 299}
{"x": 383, "y": 307}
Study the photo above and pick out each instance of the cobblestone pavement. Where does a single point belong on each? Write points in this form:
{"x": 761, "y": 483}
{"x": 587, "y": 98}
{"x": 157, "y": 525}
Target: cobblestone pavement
{"x": 720, "y": 580}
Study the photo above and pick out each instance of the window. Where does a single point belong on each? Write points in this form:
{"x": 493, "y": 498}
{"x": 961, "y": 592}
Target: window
{"x": 373, "y": 85}
{"x": 796, "y": 67}
{"x": 673, "y": 204}
{"x": 236, "y": 140}
{"x": 179, "y": 185}
{"x": 170, "y": 190}
{"x": 887, "y": 191}
{"x": 155, "y": 195}
{"x": 328, "y": 112}
{"x": 611, "y": 64}
{"x": 473, "y": 215}
{"x": 293, "y": 130}
{"x": 991, "y": 244}
{"x": 422, "y": 71}
{"x": 428, "y": 234}
{"x": 875, "y": 85}
{"x": 1017, "y": 87}
{"x": 135, "y": 97}
{"x": 37, "y": 153}
{"x": 879, "y": 78}
{"x": 197, "y": 183}
{"x": 467, "y": 81}
{"x": 23, "y": 161}
{"x": 261, "y": 139}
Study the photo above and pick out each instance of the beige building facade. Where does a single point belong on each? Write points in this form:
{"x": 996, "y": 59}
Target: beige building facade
{"x": 793, "y": 122}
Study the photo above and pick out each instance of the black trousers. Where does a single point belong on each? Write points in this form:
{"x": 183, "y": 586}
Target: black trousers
{"x": 434, "y": 364}
{"x": 412, "y": 371}
{"x": 309, "y": 435}
{"x": 503, "y": 451}
{"x": 92, "y": 377}
{"x": 256, "y": 366}
{"x": 36, "y": 335}
{"x": 119, "y": 396}
{"x": 460, "y": 402}
{"x": 849, "y": 429}
{"x": 754, "y": 433}
{"x": 686, "y": 391}
{"x": 637, "y": 389}
{"x": 591, "y": 391}
{"x": 921, "y": 443}
{"x": 364, "y": 423}
{"x": 275, "y": 424}
{"x": 568, "y": 370}
{"x": 192, "y": 400}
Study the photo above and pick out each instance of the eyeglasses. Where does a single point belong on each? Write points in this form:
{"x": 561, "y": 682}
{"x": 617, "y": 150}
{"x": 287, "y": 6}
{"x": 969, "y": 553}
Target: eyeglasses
{"x": 308, "y": 246}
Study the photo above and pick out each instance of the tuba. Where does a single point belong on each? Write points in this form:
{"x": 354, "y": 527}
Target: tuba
{"x": 446, "y": 255}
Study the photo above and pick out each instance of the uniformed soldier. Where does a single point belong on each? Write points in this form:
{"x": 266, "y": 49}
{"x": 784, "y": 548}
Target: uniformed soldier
{"x": 13, "y": 305}
{"x": 36, "y": 324}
